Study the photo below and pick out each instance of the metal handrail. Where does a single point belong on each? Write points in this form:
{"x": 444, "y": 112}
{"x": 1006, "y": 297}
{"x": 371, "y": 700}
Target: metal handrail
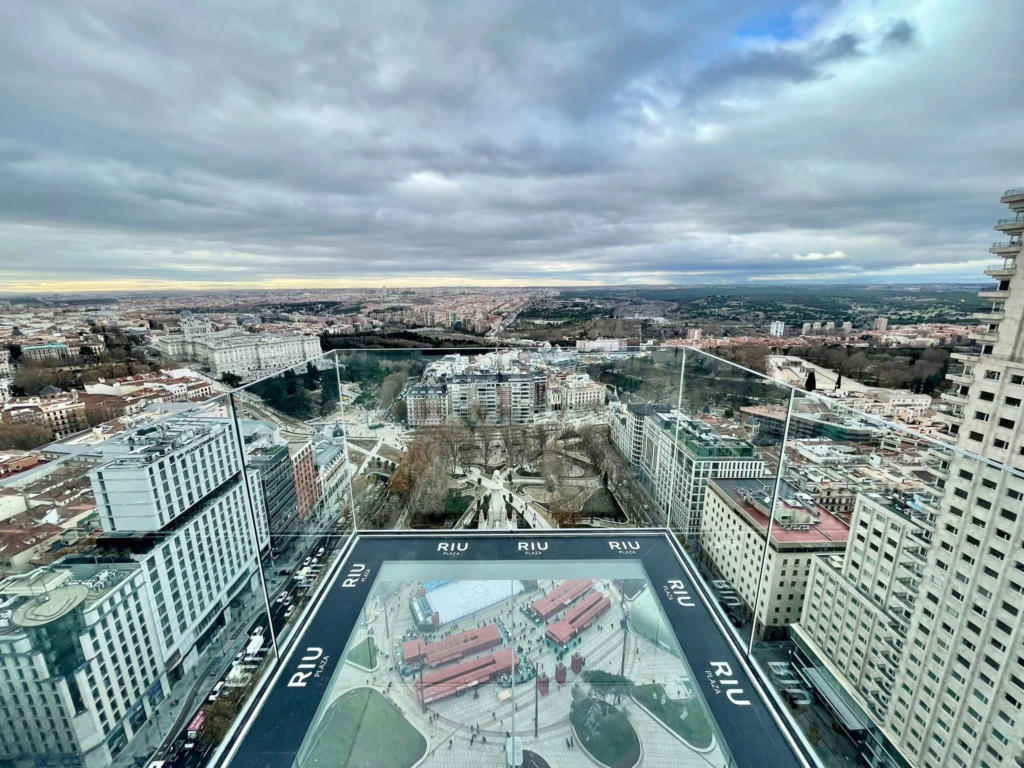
{"x": 1017, "y": 191}
{"x": 1011, "y": 265}
{"x": 1007, "y": 244}
{"x": 1015, "y": 220}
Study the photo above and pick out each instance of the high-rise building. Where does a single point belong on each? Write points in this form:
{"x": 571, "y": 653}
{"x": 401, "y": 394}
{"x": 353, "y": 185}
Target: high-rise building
{"x": 830, "y": 326}
{"x": 880, "y": 324}
{"x": 847, "y": 327}
{"x": 679, "y": 457}
{"x": 100, "y": 643}
{"x": 805, "y": 329}
{"x": 931, "y": 646}
{"x": 778, "y": 328}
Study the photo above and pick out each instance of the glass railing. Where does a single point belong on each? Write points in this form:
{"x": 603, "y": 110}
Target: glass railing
{"x": 156, "y": 572}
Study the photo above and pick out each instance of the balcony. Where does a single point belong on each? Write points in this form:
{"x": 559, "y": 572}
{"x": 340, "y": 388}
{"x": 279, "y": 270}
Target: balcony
{"x": 1005, "y": 270}
{"x": 1005, "y": 247}
{"x": 967, "y": 354}
{"x": 1013, "y": 224}
{"x": 989, "y": 337}
{"x": 990, "y": 315}
{"x": 994, "y": 295}
{"x": 954, "y": 397}
{"x": 1013, "y": 196}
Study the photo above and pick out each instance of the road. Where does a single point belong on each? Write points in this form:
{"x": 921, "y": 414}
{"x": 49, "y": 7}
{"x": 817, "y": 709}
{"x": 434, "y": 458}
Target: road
{"x": 286, "y": 592}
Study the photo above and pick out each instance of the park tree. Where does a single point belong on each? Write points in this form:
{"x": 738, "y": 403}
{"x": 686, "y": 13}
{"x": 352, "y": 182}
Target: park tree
{"x": 231, "y": 380}
{"x": 23, "y": 437}
{"x": 219, "y": 717}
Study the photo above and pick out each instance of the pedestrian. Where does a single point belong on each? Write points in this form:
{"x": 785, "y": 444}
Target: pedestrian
{"x": 450, "y": 743}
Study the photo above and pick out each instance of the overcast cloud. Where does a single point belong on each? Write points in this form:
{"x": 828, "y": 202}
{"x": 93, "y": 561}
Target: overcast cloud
{"x": 446, "y": 142}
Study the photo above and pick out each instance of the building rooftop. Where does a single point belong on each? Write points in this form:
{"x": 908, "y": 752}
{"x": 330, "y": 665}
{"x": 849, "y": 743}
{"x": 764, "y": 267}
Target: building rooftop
{"x": 799, "y": 520}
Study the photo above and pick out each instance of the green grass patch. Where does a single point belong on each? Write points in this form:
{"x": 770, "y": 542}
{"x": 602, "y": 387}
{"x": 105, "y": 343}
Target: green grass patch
{"x": 606, "y": 733}
{"x": 455, "y": 503}
{"x": 362, "y": 729}
{"x": 684, "y": 716}
{"x": 363, "y": 654}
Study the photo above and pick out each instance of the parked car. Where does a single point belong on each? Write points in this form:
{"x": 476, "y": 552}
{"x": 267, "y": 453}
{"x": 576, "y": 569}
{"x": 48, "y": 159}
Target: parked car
{"x": 289, "y": 612}
{"x": 320, "y": 552}
{"x": 257, "y": 631}
{"x": 215, "y": 693}
{"x": 735, "y": 620}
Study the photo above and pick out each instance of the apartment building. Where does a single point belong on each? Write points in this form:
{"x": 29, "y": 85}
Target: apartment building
{"x": 946, "y": 688}
{"x": 53, "y": 350}
{"x": 678, "y": 458}
{"x": 63, "y": 414}
{"x": 734, "y": 532}
{"x": 778, "y": 329}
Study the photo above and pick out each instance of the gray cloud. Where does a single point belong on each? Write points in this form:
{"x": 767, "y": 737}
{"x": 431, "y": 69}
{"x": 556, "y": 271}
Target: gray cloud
{"x": 577, "y": 141}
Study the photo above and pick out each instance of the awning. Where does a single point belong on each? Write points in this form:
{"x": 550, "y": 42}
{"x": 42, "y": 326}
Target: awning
{"x": 845, "y": 711}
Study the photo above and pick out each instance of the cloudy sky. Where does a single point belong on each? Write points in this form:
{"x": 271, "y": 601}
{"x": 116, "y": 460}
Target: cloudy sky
{"x": 263, "y": 143}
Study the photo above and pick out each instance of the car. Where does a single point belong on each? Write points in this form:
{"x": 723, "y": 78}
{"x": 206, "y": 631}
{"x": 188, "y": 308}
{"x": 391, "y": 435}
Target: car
{"x": 289, "y": 612}
{"x": 735, "y": 620}
{"x": 257, "y": 631}
{"x": 797, "y": 697}
{"x": 280, "y": 598}
{"x": 215, "y": 693}
{"x": 239, "y": 657}
{"x": 306, "y": 561}
{"x": 320, "y": 552}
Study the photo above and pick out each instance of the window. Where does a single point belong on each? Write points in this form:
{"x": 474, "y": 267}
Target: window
{"x": 1007, "y": 423}
{"x": 988, "y": 396}
{"x": 1000, "y": 443}
{"x": 992, "y": 375}
{"x": 981, "y": 416}
{"x": 1013, "y": 402}
{"x": 976, "y": 436}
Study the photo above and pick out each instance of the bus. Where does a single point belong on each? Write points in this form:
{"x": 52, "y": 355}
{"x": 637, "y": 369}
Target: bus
{"x": 196, "y": 726}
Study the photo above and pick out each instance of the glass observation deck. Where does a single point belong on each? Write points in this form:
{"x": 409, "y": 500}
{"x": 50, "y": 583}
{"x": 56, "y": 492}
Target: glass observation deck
{"x": 552, "y": 649}
{"x": 479, "y": 557}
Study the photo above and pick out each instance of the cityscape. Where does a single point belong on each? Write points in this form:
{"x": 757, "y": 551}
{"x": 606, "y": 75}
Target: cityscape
{"x": 499, "y": 385}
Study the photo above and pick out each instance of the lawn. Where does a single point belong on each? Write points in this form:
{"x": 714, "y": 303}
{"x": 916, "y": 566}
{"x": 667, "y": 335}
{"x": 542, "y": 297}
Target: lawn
{"x": 684, "y": 716}
{"x": 606, "y": 733}
{"x": 363, "y": 654}
{"x": 391, "y": 454}
{"x": 362, "y": 729}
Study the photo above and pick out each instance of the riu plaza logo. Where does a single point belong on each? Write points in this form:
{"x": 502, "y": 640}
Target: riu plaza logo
{"x": 532, "y": 548}
{"x": 452, "y": 548}
{"x": 624, "y": 547}
{"x": 312, "y": 664}
{"x": 357, "y": 574}
{"x": 721, "y": 678}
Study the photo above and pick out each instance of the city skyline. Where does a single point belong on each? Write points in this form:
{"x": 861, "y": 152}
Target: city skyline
{"x": 504, "y": 145}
